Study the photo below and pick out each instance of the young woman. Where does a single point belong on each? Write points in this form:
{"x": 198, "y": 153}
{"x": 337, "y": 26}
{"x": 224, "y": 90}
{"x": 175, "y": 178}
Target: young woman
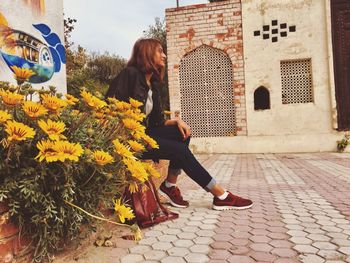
{"x": 139, "y": 80}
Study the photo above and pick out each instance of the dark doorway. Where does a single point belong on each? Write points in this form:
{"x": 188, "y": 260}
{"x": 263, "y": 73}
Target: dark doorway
{"x": 340, "y": 13}
{"x": 261, "y": 99}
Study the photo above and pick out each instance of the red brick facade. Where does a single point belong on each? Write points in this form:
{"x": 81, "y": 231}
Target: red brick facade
{"x": 218, "y": 25}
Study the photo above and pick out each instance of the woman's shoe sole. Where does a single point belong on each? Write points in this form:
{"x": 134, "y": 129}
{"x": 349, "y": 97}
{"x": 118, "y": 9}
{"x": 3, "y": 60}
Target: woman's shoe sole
{"x": 222, "y": 208}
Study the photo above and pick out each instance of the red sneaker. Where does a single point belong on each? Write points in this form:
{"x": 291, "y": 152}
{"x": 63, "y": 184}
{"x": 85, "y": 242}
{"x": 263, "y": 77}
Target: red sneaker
{"x": 231, "y": 202}
{"x": 174, "y": 195}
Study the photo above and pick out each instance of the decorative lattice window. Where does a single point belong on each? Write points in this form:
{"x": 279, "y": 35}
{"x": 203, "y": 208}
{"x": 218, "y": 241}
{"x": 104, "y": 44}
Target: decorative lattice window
{"x": 206, "y": 89}
{"x": 261, "y": 99}
{"x": 296, "y": 81}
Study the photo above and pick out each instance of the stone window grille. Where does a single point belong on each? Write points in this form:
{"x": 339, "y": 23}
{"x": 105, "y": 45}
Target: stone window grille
{"x": 296, "y": 78}
{"x": 206, "y": 90}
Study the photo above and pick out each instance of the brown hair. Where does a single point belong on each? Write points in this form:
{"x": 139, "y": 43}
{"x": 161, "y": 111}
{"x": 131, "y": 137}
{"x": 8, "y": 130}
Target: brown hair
{"x": 142, "y": 57}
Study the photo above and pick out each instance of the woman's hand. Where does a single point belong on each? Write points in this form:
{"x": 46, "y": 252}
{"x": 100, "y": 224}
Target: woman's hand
{"x": 184, "y": 129}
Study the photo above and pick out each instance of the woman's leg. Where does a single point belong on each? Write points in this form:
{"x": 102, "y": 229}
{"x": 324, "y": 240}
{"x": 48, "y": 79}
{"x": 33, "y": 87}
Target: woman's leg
{"x": 171, "y": 133}
{"x": 180, "y": 156}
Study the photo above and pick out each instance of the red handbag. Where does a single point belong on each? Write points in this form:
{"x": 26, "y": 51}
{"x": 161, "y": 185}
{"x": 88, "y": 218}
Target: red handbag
{"x": 147, "y": 207}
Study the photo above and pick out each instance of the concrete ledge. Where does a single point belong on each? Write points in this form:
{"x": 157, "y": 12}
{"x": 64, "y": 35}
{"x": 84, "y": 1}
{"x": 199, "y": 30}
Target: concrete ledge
{"x": 300, "y": 143}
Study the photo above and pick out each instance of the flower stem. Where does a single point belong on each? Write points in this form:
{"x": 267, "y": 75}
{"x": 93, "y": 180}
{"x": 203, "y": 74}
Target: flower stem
{"x": 88, "y": 180}
{"x": 96, "y": 217}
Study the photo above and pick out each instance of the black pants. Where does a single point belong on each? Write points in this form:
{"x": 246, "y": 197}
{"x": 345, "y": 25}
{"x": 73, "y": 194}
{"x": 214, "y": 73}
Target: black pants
{"x": 173, "y": 148}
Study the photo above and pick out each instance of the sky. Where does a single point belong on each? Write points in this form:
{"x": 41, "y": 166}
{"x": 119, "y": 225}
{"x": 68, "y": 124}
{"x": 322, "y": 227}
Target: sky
{"x": 114, "y": 25}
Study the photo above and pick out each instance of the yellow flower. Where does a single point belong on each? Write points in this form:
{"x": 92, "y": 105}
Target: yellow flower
{"x": 123, "y": 211}
{"x": 52, "y": 103}
{"x": 67, "y": 150}
{"x": 33, "y": 109}
{"x": 18, "y": 131}
{"x": 75, "y": 113}
{"x": 22, "y": 74}
{"x": 103, "y": 158}
{"x": 4, "y": 116}
{"x": 53, "y": 129}
{"x": 136, "y": 147}
{"x": 136, "y": 169}
{"x": 138, "y": 116}
{"x": 152, "y": 143}
{"x": 99, "y": 115}
{"x": 71, "y": 100}
{"x": 137, "y": 232}
{"x": 133, "y": 187}
{"x": 122, "y": 150}
{"x": 133, "y": 125}
{"x": 151, "y": 170}
{"x": 47, "y": 151}
{"x": 122, "y": 105}
{"x": 11, "y": 98}
{"x": 92, "y": 100}
{"x": 135, "y": 103}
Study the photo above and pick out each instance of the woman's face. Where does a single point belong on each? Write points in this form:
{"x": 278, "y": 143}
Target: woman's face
{"x": 159, "y": 57}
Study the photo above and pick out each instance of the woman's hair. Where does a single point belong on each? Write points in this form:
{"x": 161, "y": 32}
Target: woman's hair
{"x": 142, "y": 57}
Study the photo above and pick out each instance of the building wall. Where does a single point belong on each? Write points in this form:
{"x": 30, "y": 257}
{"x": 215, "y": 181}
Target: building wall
{"x": 41, "y": 20}
{"x": 300, "y": 127}
{"x": 218, "y": 25}
{"x": 262, "y": 66}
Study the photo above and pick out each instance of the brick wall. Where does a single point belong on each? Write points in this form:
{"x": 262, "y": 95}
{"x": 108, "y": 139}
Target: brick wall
{"x": 218, "y": 25}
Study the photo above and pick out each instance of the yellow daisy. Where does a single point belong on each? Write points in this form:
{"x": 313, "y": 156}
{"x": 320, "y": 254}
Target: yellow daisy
{"x": 133, "y": 187}
{"x": 11, "y": 98}
{"x": 123, "y": 211}
{"x": 71, "y": 100}
{"x": 4, "y": 116}
{"x": 67, "y": 150}
{"x": 135, "y": 103}
{"x": 133, "y": 125}
{"x": 103, "y": 158}
{"x": 152, "y": 143}
{"x": 136, "y": 146}
{"x": 18, "y": 131}
{"x": 53, "y": 129}
{"x": 137, "y": 116}
{"x": 92, "y": 100}
{"x": 33, "y": 109}
{"x": 122, "y": 105}
{"x": 52, "y": 103}
{"x": 136, "y": 169}
{"x": 122, "y": 150}
{"x": 47, "y": 151}
{"x": 151, "y": 170}
{"x": 22, "y": 74}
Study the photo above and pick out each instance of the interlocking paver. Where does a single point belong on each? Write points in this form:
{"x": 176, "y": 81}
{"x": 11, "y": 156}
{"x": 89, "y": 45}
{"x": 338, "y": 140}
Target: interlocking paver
{"x": 240, "y": 259}
{"x": 172, "y": 259}
{"x": 161, "y": 245}
{"x": 154, "y": 255}
{"x": 297, "y": 215}
{"x": 178, "y": 251}
{"x": 196, "y": 257}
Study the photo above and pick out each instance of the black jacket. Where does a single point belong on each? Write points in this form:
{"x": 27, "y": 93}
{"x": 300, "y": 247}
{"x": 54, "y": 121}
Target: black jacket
{"x": 131, "y": 83}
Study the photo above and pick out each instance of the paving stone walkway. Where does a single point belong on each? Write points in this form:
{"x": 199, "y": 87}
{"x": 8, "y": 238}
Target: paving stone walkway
{"x": 301, "y": 213}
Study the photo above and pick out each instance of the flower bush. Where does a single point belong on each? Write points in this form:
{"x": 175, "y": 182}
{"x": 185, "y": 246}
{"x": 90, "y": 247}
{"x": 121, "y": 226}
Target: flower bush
{"x": 63, "y": 158}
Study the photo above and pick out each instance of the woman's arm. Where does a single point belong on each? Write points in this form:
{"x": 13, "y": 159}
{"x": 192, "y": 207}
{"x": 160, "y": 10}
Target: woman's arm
{"x": 183, "y": 127}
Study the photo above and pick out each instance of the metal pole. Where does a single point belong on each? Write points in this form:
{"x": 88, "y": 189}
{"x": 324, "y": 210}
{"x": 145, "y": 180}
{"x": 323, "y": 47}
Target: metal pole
{"x": 177, "y": 3}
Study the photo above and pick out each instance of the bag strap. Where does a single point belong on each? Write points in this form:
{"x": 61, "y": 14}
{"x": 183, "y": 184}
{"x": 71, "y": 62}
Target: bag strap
{"x": 155, "y": 192}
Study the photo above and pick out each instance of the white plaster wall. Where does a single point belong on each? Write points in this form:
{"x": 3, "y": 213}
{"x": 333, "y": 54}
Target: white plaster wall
{"x": 262, "y": 66}
{"x": 21, "y": 17}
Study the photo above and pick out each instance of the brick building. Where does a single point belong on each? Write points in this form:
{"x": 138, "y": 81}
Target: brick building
{"x": 260, "y": 76}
